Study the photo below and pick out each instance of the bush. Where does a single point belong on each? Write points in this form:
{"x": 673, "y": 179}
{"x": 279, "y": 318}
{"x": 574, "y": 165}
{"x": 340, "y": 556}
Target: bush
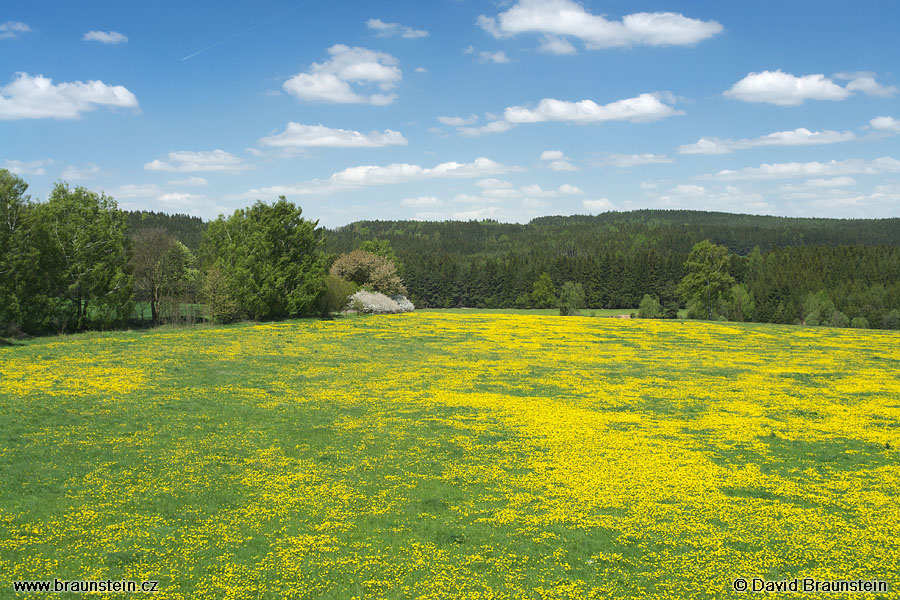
{"x": 839, "y": 319}
{"x": 671, "y": 311}
{"x": 220, "y": 304}
{"x": 649, "y": 308}
{"x": 337, "y": 295}
{"x": 523, "y": 301}
{"x": 571, "y": 298}
{"x": 813, "y": 318}
{"x": 368, "y": 302}
{"x": 859, "y": 323}
{"x": 370, "y": 271}
{"x": 891, "y": 320}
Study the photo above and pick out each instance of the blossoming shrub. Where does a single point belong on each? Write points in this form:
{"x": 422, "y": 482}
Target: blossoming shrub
{"x": 377, "y": 303}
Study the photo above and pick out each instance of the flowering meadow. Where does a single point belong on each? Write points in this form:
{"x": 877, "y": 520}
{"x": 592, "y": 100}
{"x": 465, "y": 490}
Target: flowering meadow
{"x": 435, "y": 455}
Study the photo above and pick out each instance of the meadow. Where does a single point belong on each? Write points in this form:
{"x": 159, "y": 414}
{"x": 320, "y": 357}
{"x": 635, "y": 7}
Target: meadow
{"x": 446, "y": 455}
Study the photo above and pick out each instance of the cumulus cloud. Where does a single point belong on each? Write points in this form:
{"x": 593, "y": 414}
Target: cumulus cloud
{"x": 392, "y": 29}
{"x": 555, "y": 44}
{"x": 498, "y": 57}
{"x": 567, "y": 18}
{"x": 366, "y": 175}
{"x": 598, "y": 205}
{"x": 864, "y": 81}
{"x": 297, "y": 135}
{"x": 421, "y": 201}
{"x": 785, "y": 89}
{"x": 136, "y": 190}
{"x": 557, "y": 161}
{"x": 797, "y": 170}
{"x": 187, "y": 162}
{"x": 190, "y": 181}
{"x": 34, "y": 167}
{"x": 643, "y": 108}
{"x": 37, "y": 97}
{"x": 796, "y": 137}
{"x": 340, "y": 79}
{"x": 74, "y": 173}
{"x": 887, "y": 124}
{"x": 492, "y": 183}
{"x": 458, "y": 121}
{"x": 12, "y": 29}
{"x": 553, "y": 155}
{"x": 633, "y": 160}
{"x": 105, "y": 37}
{"x": 492, "y": 127}
{"x": 402, "y": 172}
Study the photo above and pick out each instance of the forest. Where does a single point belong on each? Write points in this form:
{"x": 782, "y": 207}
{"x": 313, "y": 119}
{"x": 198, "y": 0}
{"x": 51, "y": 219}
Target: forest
{"x": 77, "y": 262}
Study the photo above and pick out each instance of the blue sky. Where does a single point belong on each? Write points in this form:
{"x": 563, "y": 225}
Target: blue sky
{"x": 456, "y": 109}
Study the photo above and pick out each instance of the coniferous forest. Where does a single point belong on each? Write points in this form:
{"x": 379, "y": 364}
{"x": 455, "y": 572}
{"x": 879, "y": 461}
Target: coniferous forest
{"x": 788, "y": 266}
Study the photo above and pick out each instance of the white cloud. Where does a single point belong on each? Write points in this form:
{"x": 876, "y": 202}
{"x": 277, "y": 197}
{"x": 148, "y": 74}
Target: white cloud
{"x": 297, "y": 135}
{"x": 649, "y": 185}
{"x": 492, "y": 183}
{"x": 12, "y": 29}
{"x": 28, "y": 97}
{"x": 501, "y": 193}
{"x": 492, "y": 127}
{"x": 563, "y": 190}
{"x": 599, "y": 205}
{"x": 187, "y": 162}
{"x": 331, "y": 81}
{"x": 797, "y": 137}
{"x": 421, "y": 70}
{"x": 34, "y": 167}
{"x": 865, "y": 82}
{"x": 498, "y": 57}
{"x": 553, "y": 155}
{"x": 392, "y": 29}
{"x": 190, "y": 181}
{"x": 814, "y": 169}
{"x": 402, "y": 172}
{"x": 643, "y": 108}
{"x": 555, "y": 44}
{"x": 561, "y": 165}
{"x": 833, "y": 182}
{"x": 131, "y": 190}
{"x": 785, "y": 89}
{"x": 105, "y": 37}
{"x": 567, "y": 18}
{"x": 72, "y": 172}
{"x": 458, "y": 121}
{"x": 633, "y": 160}
{"x": 361, "y": 176}
{"x": 888, "y": 124}
{"x": 421, "y": 201}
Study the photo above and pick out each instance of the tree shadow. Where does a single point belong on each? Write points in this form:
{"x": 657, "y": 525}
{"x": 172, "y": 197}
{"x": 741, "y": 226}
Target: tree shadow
{"x": 6, "y": 342}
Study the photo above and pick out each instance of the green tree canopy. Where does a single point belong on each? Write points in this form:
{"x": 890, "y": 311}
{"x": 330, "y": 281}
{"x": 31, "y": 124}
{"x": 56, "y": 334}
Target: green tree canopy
{"x": 543, "y": 294}
{"x": 269, "y": 258}
{"x": 707, "y": 280}
{"x": 162, "y": 268}
{"x": 368, "y": 270}
{"x": 571, "y": 298}
{"x": 13, "y": 205}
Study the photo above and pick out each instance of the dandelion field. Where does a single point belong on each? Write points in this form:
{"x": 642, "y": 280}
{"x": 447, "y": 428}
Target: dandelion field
{"x": 451, "y": 456}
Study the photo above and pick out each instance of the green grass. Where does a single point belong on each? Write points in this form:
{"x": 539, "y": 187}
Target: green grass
{"x": 586, "y": 312}
{"x": 449, "y": 454}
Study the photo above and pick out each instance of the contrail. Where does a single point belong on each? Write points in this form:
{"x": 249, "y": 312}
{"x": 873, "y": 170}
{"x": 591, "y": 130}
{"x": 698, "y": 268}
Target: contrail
{"x": 240, "y": 33}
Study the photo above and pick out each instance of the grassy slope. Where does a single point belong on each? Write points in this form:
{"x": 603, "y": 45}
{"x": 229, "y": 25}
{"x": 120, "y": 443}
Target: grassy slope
{"x": 451, "y": 455}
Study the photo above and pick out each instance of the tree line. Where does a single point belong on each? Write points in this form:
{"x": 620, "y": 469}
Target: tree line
{"x": 77, "y": 262}
{"x": 72, "y": 263}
